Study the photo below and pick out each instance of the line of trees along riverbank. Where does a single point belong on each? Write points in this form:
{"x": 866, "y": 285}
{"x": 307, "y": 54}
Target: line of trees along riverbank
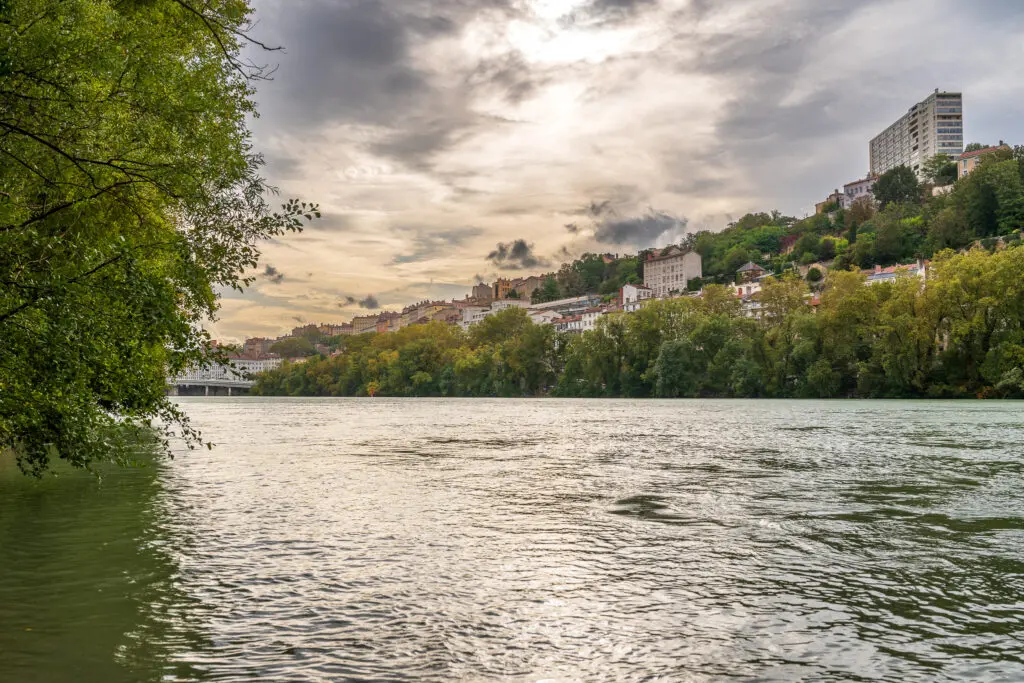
{"x": 959, "y": 334}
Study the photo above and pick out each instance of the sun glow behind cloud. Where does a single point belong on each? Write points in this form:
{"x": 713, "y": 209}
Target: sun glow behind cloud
{"x": 431, "y": 130}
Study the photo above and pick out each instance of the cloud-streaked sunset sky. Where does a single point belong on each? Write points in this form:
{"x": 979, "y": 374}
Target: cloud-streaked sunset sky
{"x": 451, "y": 140}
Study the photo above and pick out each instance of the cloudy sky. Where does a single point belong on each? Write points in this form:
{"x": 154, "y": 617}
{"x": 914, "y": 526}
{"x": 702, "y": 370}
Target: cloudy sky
{"x": 452, "y": 140}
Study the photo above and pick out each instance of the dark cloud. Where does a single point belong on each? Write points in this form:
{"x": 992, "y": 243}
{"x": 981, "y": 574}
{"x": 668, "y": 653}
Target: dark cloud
{"x": 516, "y": 255}
{"x": 359, "y": 62}
{"x": 641, "y": 231}
{"x": 273, "y": 275}
{"x": 370, "y": 302}
{"x": 572, "y": 228}
{"x": 348, "y": 300}
{"x": 426, "y": 244}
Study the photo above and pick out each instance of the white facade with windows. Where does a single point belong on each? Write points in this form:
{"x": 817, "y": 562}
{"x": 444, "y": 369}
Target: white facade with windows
{"x": 670, "y": 270}
{"x": 244, "y": 368}
{"x": 631, "y": 296}
{"x": 933, "y": 126}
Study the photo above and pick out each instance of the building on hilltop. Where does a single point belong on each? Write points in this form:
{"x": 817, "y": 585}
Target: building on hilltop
{"x": 968, "y": 161}
{"x": 305, "y": 330}
{"x": 364, "y": 323}
{"x": 502, "y": 286}
{"x": 836, "y": 198}
{"x": 932, "y": 126}
{"x": 526, "y": 286}
{"x": 257, "y": 346}
{"x": 919, "y": 269}
{"x": 631, "y": 297}
{"x": 859, "y": 190}
{"x": 749, "y": 272}
{"x": 483, "y": 293}
{"x": 669, "y": 270}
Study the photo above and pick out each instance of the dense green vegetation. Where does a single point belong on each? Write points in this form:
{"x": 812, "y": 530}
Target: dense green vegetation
{"x": 911, "y": 223}
{"x": 958, "y": 335}
{"x": 129, "y": 191}
{"x": 597, "y": 273}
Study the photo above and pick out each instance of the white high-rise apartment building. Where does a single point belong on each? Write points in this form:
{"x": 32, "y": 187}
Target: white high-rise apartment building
{"x": 934, "y": 126}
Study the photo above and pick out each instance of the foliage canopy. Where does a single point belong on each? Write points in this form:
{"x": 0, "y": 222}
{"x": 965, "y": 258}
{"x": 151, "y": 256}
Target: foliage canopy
{"x": 129, "y": 193}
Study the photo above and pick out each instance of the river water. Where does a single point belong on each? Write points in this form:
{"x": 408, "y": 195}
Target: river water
{"x": 439, "y": 540}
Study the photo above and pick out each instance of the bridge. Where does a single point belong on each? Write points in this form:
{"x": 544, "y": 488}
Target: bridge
{"x": 183, "y": 386}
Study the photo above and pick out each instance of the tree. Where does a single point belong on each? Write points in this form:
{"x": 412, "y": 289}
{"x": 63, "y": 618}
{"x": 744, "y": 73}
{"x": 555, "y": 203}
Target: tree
{"x": 939, "y": 170}
{"x": 569, "y": 281}
{"x": 129, "y": 195}
{"x": 547, "y": 291}
{"x": 974, "y": 147}
{"x": 897, "y": 186}
{"x": 512, "y": 294}
{"x": 293, "y": 347}
{"x": 814, "y": 275}
{"x": 826, "y": 249}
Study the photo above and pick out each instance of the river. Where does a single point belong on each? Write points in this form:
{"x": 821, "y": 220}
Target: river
{"x": 440, "y": 540}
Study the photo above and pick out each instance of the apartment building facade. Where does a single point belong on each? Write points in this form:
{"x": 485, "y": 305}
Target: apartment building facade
{"x": 670, "y": 270}
{"x": 932, "y": 126}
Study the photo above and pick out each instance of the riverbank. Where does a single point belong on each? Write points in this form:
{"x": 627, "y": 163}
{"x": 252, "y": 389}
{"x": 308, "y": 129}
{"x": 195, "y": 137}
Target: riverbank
{"x": 956, "y": 335}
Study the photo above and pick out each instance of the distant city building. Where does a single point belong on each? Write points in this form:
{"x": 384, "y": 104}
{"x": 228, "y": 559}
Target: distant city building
{"x": 503, "y": 304}
{"x": 525, "y": 287}
{"x": 483, "y": 293}
{"x": 632, "y": 296}
{"x": 858, "y": 190}
{"x": 837, "y": 198}
{"x": 571, "y": 306}
{"x": 969, "y": 161}
{"x": 670, "y": 270}
{"x": 933, "y": 126}
{"x": 257, "y": 346}
{"x": 364, "y": 323}
{"x": 919, "y": 269}
{"x": 240, "y": 370}
{"x": 471, "y": 315}
{"x": 502, "y": 286}
{"x": 749, "y": 272}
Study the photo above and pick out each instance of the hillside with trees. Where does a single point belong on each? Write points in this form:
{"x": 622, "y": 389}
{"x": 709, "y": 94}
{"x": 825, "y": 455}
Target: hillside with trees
{"x": 907, "y": 223}
{"x": 959, "y": 334}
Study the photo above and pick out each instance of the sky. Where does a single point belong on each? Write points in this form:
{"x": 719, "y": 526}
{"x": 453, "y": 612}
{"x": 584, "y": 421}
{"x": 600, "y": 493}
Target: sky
{"x": 452, "y": 141}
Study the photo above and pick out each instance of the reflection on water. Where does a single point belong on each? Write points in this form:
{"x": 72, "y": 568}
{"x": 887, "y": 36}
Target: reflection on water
{"x": 526, "y": 540}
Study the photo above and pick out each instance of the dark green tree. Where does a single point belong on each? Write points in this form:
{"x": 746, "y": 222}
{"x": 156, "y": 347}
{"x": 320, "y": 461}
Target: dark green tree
{"x": 897, "y": 186}
{"x": 129, "y": 196}
{"x": 939, "y": 170}
{"x": 293, "y": 347}
{"x": 547, "y": 292}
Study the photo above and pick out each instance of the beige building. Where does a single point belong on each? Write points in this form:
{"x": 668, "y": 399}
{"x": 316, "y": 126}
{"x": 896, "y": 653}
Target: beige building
{"x": 670, "y": 270}
{"x": 969, "y": 161}
{"x": 502, "y": 286}
{"x": 364, "y": 323}
{"x": 526, "y": 286}
{"x": 483, "y": 292}
{"x": 932, "y": 126}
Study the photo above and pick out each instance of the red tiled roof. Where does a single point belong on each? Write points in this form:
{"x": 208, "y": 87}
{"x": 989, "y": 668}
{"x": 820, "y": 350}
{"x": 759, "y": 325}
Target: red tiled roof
{"x": 979, "y": 152}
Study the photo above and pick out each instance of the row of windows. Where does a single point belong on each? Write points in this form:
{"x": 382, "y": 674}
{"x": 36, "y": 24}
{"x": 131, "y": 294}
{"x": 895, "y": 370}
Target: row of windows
{"x": 951, "y": 137}
{"x": 950, "y": 130}
{"x": 949, "y": 110}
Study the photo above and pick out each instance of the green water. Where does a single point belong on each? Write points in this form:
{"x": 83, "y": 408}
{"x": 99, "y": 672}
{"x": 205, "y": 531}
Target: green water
{"x": 348, "y": 539}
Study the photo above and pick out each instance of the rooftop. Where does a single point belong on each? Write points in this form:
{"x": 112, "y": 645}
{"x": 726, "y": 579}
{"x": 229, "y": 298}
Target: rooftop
{"x": 979, "y": 152}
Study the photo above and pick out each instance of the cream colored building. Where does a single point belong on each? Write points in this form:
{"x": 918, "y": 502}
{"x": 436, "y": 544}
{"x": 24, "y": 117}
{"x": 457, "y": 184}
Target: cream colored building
{"x": 364, "y": 323}
{"x": 670, "y": 270}
{"x": 932, "y": 126}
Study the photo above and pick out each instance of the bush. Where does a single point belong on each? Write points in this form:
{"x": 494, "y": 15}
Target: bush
{"x": 814, "y": 275}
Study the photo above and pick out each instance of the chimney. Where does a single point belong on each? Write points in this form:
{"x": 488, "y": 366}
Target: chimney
{"x": 878, "y": 269}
